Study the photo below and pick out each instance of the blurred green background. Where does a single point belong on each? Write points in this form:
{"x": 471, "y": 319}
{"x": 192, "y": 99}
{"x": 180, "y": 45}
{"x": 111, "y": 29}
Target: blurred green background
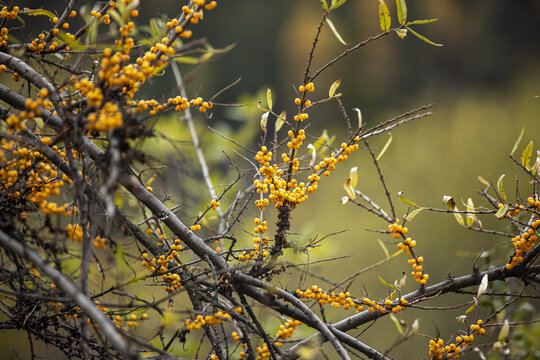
{"x": 484, "y": 82}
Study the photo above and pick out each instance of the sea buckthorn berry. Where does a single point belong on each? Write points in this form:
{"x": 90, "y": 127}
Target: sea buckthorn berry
{"x": 297, "y": 101}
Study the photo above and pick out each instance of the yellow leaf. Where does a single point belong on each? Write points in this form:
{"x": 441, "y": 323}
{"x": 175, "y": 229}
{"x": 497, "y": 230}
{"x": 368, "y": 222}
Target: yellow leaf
{"x": 483, "y": 181}
{"x": 280, "y": 120}
{"x": 349, "y": 189}
{"x": 401, "y": 11}
{"x": 500, "y": 186}
{"x": 353, "y": 174}
{"x": 505, "y": 329}
{"x": 518, "y": 140}
{"x": 413, "y": 213}
{"x": 459, "y": 219}
{"x": 388, "y": 142}
{"x": 397, "y": 323}
{"x": 502, "y": 211}
{"x": 333, "y": 88}
{"x": 402, "y": 198}
{"x": 313, "y": 152}
{"x": 386, "y": 253}
{"x": 269, "y": 98}
{"x": 359, "y": 117}
{"x": 470, "y": 207}
{"x": 449, "y": 201}
{"x": 526, "y": 155}
{"x": 264, "y": 120}
{"x": 334, "y": 30}
{"x": 384, "y": 16}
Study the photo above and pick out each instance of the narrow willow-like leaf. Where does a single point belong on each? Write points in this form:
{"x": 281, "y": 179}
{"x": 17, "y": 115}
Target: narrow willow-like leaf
{"x": 388, "y": 142}
{"x": 396, "y": 253}
{"x": 280, "y": 120}
{"x": 187, "y": 60}
{"x": 336, "y": 4}
{"x": 333, "y": 88}
{"x": 269, "y": 98}
{"x": 472, "y": 307}
{"x": 334, "y": 30}
{"x": 359, "y": 117}
{"x": 419, "y": 22}
{"x": 324, "y": 5}
{"x": 413, "y": 213}
{"x": 484, "y": 181}
{"x": 474, "y": 219}
{"x": 518, "y": 140}
{"x": 500, "y": 187}
{"x": 502, "y": 211}
{"x": 261, "y": 108}
{"x": 423, "y": 38}
{"x": 536, "y": 166}
{"x": 264, "y": 121}
{"x": 527, "y": 154}
{"x": 470, "y": 207}
{"x": 384, "y": 16}
{"x": 349, "y": 189}
{"x": 383, "y": 247}
{"x": 387, "y": 284}
{"x": 401, "y": 11}
{"x": 459, "y": 219}
{"x": 313, "y": 152}
{"x": 397, "y": 323}
{"x": 37, "y": 12}
{"x": 353, "y": 174}
{"x": 408, "y": 202}
{"x": 482, "y": 287}
{"x": 505, "y": 329}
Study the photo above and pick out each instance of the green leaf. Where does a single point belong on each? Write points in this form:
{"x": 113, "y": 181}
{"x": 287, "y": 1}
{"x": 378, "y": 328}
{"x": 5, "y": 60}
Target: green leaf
{"x": 383, "y": 247}
{"x": 500, "y": 187}
{"x": 336, "y": 4}
{"x": 187, "y": 60}
{"x": 401, "y": 11}
{"x": 400, "y": 197}
{"x": 502, "y": 211}
{"x": 413, "y": 213}
{"x": 324, "y": 5}
{"x": 397, "y": 323}
{"x": 418, "y": 22}
{"x": 387, "y": 284}
{"x": 269, "y": 98}
{"x": 333, "y": 88}
{"x": 280, "y": 120}
{"x": 505, "y": 329}
{"x": 396, "y": 253}
{"x": 334, "y": 30}
{"x": 527, "y": 154}
{"x": 37, "y": 12}
{"x": 423, "y": 38}
{"x": 388, "y": 142}
{"x": 384, "y": 16}
{"x": 518, "y": 140}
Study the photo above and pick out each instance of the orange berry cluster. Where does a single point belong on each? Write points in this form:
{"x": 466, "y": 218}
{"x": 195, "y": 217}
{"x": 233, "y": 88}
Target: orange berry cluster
{"x": 131, "y": 322}
{"x": 523, "y": 243}
{"x": 75, "y": 232}
{"x": 533, "y": 203}
{"x": 295, "y": 143}
{"x": 213, "y": 319}
{"x": 344, "y": 299}
{"x": 109, "y": 117}
{"x": 285, "y": 331}
{"x": 399, "y": 231}
{"x": 260, "y": 242}
{"x": 10, "y": 15}
{"x": 437, "y": 350}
